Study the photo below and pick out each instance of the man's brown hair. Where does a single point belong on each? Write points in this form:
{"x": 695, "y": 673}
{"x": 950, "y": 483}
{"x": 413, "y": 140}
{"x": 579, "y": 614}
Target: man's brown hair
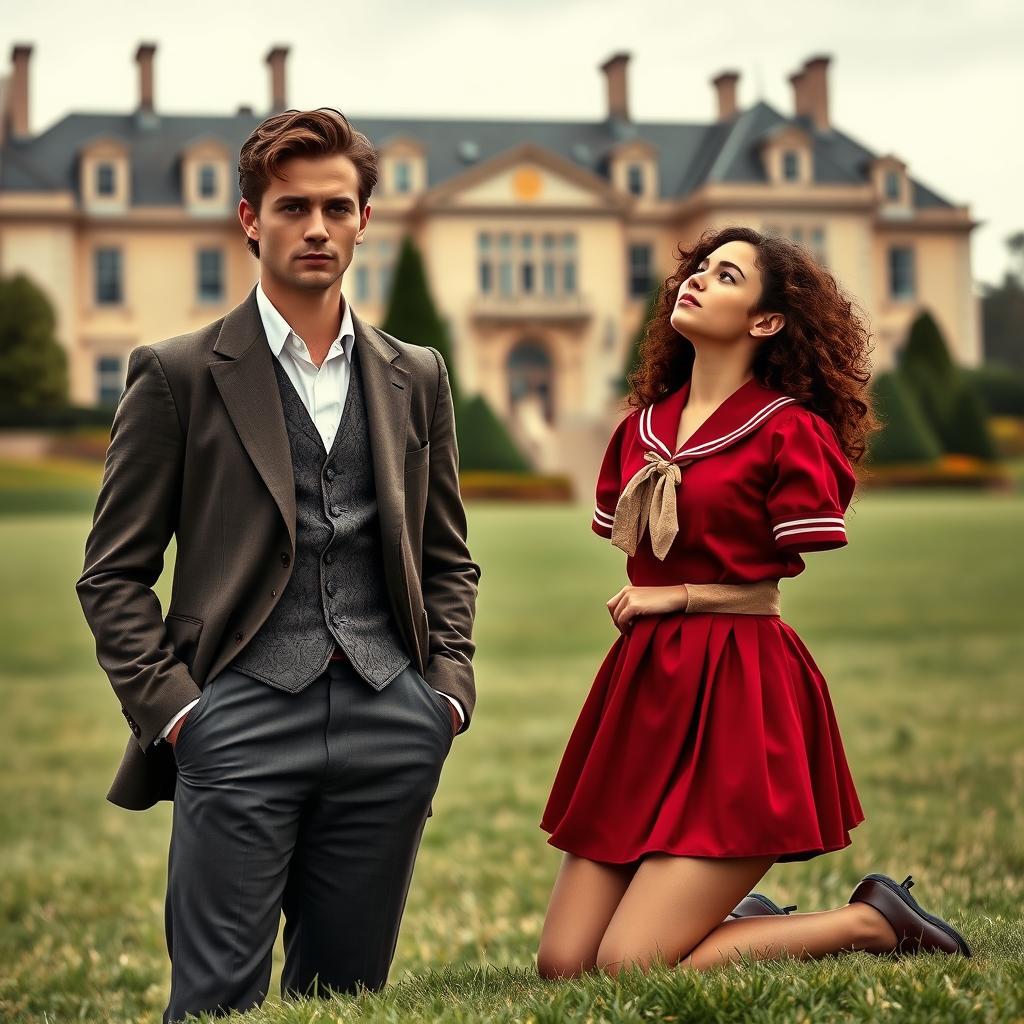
{"x": 321, "y": 132}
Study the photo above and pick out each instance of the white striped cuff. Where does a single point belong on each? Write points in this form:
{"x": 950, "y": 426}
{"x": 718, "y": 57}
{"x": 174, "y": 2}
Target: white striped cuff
{"x": 817, "y": 531}
{"x": 602, "y": 523}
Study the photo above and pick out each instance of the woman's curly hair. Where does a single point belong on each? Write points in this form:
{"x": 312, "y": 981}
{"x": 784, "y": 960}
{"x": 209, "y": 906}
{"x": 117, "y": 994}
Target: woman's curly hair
{"x": 821, "y": 357}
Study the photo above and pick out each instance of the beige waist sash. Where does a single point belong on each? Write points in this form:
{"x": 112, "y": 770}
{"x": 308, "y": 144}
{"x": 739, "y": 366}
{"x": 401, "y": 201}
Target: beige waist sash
{"x": 761, "y": 598}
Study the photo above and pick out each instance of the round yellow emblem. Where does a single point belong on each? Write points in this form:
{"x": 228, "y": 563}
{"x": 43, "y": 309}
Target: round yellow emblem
{"x": 527, "y": 183}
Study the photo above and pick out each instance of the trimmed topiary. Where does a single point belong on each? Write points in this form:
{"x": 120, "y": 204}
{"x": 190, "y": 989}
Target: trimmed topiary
{"x": 906, "y": 435}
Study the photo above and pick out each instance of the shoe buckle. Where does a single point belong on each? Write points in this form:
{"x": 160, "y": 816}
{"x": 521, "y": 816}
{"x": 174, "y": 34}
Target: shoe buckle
{"x": 908, "y": 882}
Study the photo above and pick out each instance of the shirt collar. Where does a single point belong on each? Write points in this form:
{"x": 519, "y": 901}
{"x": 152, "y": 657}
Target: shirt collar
{"x": 278, "y": 330}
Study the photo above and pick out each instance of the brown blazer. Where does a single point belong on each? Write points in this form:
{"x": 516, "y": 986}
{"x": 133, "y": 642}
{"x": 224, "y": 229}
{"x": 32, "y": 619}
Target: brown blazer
{"x": 199, "y": 450}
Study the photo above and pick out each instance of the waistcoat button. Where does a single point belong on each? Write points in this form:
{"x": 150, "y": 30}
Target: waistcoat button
{"x": 286, "y": 559}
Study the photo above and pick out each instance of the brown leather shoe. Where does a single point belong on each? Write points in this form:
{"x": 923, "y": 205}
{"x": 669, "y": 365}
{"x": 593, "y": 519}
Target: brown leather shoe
{"x": 758, "y": 905}
{"x": 916, "y": 930}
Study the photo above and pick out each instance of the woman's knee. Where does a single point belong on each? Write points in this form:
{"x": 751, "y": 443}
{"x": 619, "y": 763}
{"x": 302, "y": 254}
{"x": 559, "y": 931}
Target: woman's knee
{"x": 555, "y": 964}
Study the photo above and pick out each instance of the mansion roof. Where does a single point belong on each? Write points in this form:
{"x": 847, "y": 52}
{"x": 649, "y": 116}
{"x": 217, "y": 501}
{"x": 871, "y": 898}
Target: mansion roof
{"x": 688, "y": 156}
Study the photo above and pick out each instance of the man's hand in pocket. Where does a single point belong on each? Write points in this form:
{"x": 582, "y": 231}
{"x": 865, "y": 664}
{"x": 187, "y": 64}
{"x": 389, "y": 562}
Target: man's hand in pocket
{"x": 172, "y": 736}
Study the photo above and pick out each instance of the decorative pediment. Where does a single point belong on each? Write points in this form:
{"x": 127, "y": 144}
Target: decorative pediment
{"x": 526, "y": 175}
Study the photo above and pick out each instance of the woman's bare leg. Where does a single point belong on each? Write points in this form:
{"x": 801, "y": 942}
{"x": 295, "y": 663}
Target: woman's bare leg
{"x": 671, "y": 904}
{"x": 673, "y": 909}
{"x": 583, "y": 900}
{"x": 803, "y": 936}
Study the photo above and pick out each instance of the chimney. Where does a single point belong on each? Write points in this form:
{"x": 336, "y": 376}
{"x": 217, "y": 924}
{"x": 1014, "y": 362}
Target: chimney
{"x": 275, "y": 61}
{"x": 144, "y": 58}
{"x": 725, "y": 90}
{"x": 18, "y": 96}
{"x": 810, "y": 92}
{"x": 614, "y": 69}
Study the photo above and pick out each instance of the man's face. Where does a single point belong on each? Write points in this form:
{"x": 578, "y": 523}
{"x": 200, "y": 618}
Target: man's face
{"x": 309, "y": 221}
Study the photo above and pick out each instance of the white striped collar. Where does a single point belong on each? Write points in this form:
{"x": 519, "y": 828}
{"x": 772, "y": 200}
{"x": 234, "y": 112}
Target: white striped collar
{"x": 742, "y": 412}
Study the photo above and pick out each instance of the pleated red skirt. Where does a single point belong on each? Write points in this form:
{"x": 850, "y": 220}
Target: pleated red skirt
{"x": 707, "y": 735}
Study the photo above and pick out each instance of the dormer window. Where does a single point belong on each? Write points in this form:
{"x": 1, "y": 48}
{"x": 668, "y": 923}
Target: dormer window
{"x": 403, "y": 176}
{"x": 204, "y": 177}
{"x": 788, "y": 156}
{"x": 892, "y": 186}
{"x": 104, "y": 176}
{"x": 635, "y": 179}
{"x": 403, "y": 167}
{"x": 791, "y": 165}
{"x": 106, "y": 179}
{"x": 207, "y": 181}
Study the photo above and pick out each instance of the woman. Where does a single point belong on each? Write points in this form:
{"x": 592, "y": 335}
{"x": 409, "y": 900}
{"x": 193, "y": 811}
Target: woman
{"x": 707, "y": 749}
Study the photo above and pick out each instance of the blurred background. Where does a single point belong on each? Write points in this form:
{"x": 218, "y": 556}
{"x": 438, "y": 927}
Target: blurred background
{"x": 539, "y": 166}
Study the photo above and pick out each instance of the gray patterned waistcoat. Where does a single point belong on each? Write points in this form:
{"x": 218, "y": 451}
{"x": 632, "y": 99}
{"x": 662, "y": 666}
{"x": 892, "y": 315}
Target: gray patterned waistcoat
{"x": 336, "y": 591}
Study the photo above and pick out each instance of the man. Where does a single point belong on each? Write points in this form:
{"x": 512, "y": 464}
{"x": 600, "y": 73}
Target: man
{"x": 301, "y": 695}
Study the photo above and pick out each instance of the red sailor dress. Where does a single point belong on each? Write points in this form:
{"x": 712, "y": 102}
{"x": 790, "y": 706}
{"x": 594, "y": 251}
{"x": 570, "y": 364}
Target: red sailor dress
{"x": 713, "y": 734}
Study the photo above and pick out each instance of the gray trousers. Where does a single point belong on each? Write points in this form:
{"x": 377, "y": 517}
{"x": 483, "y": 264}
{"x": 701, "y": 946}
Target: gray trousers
{"x": 312, "y": 802}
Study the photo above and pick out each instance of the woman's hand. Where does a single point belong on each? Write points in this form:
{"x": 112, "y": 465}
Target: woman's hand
{"x": 632, "y": 601}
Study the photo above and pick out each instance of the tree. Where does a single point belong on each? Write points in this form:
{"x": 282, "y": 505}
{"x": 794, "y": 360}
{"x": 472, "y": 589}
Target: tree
{"x": 633, "y": 358}
{"x": 33, "y": 364}
{"x": 948, "y": 397}
{"x": 931, "y": 375}
{"x": 905, "y": 435}
{"x": 412, "y": 315}
{"x": 1002, "y": 311}
{"x": 484, "y": 443}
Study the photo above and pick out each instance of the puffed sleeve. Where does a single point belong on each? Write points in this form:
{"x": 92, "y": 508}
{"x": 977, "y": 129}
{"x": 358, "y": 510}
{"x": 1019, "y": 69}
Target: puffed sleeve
{"x": 812, "y": 484}
{"x": 609, "y": 480}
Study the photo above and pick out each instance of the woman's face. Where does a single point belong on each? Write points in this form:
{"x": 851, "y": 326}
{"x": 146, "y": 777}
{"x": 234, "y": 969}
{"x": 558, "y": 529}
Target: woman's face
{"x": 714, "y": 303}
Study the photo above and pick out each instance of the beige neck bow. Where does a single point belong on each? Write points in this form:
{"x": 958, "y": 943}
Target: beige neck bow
{"x": 649, "y": 500}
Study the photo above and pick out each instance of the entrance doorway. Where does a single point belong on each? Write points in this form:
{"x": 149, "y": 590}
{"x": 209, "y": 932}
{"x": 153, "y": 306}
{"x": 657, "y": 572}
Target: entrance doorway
{"x": 531, "y": 378}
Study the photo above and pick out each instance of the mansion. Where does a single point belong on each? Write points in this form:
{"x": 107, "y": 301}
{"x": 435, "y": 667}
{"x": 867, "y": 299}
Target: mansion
{"x": 542, "y": 239}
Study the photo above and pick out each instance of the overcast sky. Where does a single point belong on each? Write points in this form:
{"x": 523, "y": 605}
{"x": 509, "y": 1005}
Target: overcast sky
{"x": 939, "y": 84}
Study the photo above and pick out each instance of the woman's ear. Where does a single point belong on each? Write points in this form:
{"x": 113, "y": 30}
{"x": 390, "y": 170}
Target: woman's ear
{"x": 767, "y": 324}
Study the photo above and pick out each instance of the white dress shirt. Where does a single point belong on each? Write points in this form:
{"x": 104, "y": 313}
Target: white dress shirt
{"x": 323, "y": 390}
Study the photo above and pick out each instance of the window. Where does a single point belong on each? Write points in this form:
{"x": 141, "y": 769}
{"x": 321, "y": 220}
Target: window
{"x": 107, "y": 269}
{"x": 526, "y": 264}
{"x": 207, "y": 181}
{"x": 569, "y": 264}
{"x": 901, "y": 272}
{"x": 526, "y": 280}
{"x": 362, "y": 283}
{"x": 386, "y": 271}
{"x": 635, "y": 179}
{"x": 639, "y": 271}
{"x": 403, "y": 176}
{"x": 210, "y": 268}
{"x": 484, "y": 265}
{"x": 550, "y": 278}
{"x": 892, "y": 186}
{"x": 385, "y": 252}
{"x": 106, "y": 179}
{"x": 818, "y": 244}
{"x": 505, "y": 282}
{"x": 109, "y": 379}
{"x": 791, "y": 165}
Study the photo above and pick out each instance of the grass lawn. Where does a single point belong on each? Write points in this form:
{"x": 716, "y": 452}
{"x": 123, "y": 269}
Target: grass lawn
{"x": 916, "y": 625}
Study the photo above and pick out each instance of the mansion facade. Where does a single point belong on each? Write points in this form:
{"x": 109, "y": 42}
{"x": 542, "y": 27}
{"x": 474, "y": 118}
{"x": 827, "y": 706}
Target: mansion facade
{"x": 541, "y": 239}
